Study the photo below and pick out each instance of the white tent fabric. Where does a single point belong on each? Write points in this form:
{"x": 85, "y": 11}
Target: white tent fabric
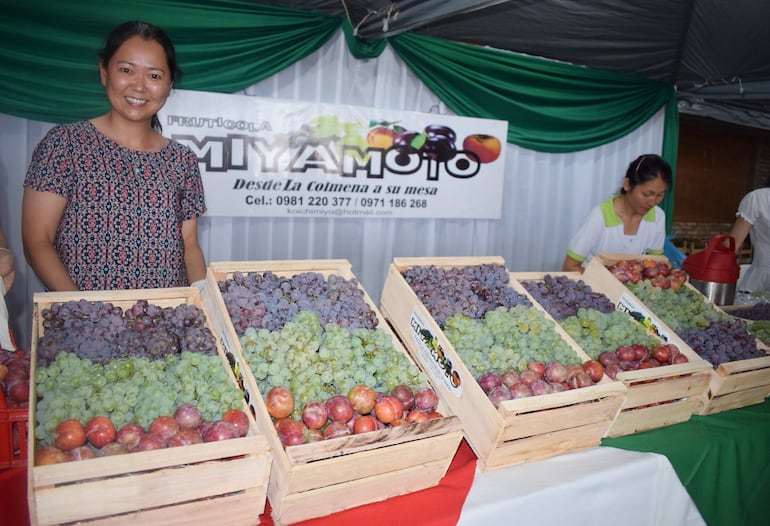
{"x": 545, "y": 195}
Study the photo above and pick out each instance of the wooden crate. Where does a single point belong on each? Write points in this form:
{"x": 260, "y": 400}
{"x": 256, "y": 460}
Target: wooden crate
{"x": 210, "y": 483}
{"x": 519, "y": 431}
{"x": 319, "y": 478}
{"x": 732, "y": 384}
{"x": 659, "y": 396}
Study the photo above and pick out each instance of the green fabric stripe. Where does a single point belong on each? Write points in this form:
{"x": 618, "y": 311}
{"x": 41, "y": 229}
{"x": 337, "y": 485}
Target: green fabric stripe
{"x": 608, "y": 213}
{"x": 576, "y": 256}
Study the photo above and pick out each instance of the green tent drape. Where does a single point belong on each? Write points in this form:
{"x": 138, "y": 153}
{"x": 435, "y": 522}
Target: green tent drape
{"x": 48, "y": 49}
{"x": 550, "y": 106}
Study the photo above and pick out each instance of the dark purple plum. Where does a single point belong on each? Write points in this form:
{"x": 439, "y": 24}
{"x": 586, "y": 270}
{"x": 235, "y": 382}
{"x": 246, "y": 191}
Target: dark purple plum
{"x": 439, "y": 130}
{"x": 439, "y": 149}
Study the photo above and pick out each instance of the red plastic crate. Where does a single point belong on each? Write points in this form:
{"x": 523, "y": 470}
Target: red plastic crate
{"x": 13, "y": 431}
{"x": 13, "y": 435}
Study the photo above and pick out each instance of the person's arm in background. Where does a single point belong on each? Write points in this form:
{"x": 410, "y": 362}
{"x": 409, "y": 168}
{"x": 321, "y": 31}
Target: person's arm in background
{"x": 194, "y": 261}
{"x": 7, "y": 266}
{"x": 572, "y": 265}
{"x": 739, "y": 232}
{"x": 583, "y": 242}
{"x": 40, "y": 216}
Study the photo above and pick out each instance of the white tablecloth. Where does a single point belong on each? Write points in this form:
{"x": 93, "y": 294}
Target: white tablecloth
{"x": 594, "y": 487}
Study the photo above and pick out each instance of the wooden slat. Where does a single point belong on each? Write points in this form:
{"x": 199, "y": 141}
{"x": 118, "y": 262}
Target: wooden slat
{"x": 240, "y": 509}
{"x": 597, "y": 413}
{"x": 540, "y": 447}
{"x": 298, "y": 507}
{"x": 376, "y": 440}
{"x": 647, "y": 418}
{"x": 744, "y": 398}
{"x": 147, "y": 460}
{"x": 363, "y": 466}
{"x": 112, "y": 495}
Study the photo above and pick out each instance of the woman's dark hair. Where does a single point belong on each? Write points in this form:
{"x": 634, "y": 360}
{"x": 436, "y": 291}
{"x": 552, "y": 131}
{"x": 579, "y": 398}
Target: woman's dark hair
{"x": 646, "y": 168}
{"x": 146, "y": 31}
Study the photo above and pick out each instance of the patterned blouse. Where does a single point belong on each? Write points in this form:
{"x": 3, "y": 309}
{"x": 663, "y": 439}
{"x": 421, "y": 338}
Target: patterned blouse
{"x": 122, "y": 225}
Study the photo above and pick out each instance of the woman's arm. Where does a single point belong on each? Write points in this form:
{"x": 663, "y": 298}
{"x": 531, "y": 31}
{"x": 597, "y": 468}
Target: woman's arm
{"x": 572, "y": 265}
{"x": 40, "y": 216}
{"x": 7, "y": 266}
{"x": 740, "y": 230}
{"x": 194, "y": 261}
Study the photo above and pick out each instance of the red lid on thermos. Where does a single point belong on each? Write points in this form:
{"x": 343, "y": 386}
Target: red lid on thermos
{"x": 716, "y": 263}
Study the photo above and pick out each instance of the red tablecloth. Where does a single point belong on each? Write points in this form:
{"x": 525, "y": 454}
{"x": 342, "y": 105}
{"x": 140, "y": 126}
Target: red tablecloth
{"x": 437, "y": 506}
{"x": 13, "y": 496}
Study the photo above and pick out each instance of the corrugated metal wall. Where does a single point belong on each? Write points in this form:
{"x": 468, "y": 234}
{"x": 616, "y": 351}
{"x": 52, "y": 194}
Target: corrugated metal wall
{"x": 545, "y": 195}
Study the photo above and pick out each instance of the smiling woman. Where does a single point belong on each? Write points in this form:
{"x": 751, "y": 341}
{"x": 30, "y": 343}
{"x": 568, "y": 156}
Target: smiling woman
{"x": 630, "y": 222}
{"x": 97, "y": 195}
{"x": 137, "y": 66}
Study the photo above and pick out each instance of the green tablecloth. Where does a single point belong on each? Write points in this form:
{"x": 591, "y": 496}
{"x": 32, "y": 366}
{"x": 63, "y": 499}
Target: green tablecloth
{"x": 723, "y": 460}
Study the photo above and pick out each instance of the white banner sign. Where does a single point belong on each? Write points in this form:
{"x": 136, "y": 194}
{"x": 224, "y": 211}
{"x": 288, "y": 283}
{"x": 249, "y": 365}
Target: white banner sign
{"x": 272, "y": 158}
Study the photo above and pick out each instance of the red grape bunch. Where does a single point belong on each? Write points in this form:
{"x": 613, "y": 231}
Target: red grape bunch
{"x": 756, "y": 312}
{"x": 100, "y": 331}
{"x": 561, "y": 296}
{"x": 471, "y": 291}
{"x": 267, "y": 301}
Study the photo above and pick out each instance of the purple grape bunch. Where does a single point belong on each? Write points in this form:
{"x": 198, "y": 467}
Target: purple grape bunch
{"x": 471, "y": 290}
{"x": 756, "y": 312}
{"x": 100, "y": 331}
{"x": 264, "y": 300}
{"x": 722, "y": 341}
{"x": 562, "y": 297}
{"x": 717, "y": 337}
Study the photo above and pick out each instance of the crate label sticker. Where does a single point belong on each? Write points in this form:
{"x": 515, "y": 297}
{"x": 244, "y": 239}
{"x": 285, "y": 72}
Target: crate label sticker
{"x": 637, "y": 312}
{"x": 432, "y": 355}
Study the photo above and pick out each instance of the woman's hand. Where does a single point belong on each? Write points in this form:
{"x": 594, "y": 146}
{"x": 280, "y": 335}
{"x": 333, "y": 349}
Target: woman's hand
{"x": 7, "y": 268}
{"x": 7, "y": 264}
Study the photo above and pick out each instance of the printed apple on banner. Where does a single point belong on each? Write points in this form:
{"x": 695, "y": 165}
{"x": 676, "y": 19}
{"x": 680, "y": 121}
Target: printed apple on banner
{"x": 485, "y": 147}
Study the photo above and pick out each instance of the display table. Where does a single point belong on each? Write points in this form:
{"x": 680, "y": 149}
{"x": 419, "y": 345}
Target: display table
{"x": 716, "y": 467}
{"x": 598, "y": 486}
{"x": 723, "y": 460}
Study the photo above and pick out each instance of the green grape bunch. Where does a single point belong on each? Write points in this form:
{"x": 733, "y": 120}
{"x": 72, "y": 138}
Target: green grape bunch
{"x": 507, "y": 338}
{"x": 316, "y": 362}
{"x": 596, "y": 331}
{"x": 130, "y": 389}
{"x": 681, "y": 309}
